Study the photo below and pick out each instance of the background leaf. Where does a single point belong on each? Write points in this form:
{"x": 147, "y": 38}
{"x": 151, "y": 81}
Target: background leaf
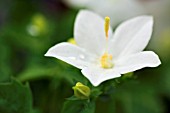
{"x": 15, "y": 98}
{"x": 78, "y": 106}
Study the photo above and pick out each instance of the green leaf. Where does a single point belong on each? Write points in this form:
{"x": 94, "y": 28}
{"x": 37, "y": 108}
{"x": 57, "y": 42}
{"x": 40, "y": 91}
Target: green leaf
{"x": 140, "y": 99}
{"x": 15, "y": 98}
{"x": 73, "y": 98}
{"x": 35, "y": 111}
{"x": 33, "y": 73}
{"x": 5, "y": 69}
{"x": 95, "y": 92}
{"x": 78, "y": 106}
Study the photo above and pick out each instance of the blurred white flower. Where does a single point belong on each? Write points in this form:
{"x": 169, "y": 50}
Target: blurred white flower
{"x": 102, "y": 55}
{"x": 158, "y": 8}
{"x": 77, "y": 3}
{"x": 122, "y": 10}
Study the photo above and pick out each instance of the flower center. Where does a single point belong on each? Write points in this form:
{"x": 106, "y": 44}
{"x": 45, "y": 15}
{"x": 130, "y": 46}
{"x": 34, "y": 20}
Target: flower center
{"x": 106, "y": 59}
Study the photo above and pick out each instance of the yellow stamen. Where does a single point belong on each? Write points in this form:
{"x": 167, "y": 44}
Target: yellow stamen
{"x": 106, "y": 61}
{"x": 106, "y": 26}
{"x": 72, "y": 41}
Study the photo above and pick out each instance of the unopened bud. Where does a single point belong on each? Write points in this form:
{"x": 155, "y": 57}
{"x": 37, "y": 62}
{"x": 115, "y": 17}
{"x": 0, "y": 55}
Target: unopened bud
{"x": 81, "y": 91}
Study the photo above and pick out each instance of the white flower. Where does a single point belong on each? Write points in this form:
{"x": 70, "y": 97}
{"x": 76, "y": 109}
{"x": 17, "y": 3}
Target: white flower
{"x": 119, "y": 10}
{"x": 102, "y": 55}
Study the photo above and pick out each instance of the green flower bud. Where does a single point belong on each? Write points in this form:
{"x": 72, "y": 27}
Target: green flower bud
{"x": 81, "y": 91}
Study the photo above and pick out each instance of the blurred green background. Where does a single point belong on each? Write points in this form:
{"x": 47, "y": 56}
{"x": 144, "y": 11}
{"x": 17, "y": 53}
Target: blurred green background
{"x": 32, "y": 83}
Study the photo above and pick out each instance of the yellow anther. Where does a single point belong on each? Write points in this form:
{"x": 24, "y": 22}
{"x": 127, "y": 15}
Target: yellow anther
{"x": 106, "y": 26}
{"x": 106, "y": 61}
{"x": 72, "y": 41}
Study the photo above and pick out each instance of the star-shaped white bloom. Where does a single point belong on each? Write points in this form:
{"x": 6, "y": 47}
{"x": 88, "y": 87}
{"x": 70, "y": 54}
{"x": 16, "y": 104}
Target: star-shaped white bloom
{"x": 103, "y": 55}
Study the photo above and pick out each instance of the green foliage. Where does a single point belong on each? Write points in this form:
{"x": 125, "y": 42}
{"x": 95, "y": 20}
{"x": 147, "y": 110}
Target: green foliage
{"x": 15, "y": 98}
{"x": 78, "y": 106}
{"x": 141, "y": 99}
{"x": 95, "y": 92}
{"x": 34, "y": 73}
{"x": 5, "y": 69}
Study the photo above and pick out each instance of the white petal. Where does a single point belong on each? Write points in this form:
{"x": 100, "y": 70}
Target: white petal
{"x": 137, "y": 61}
{"x": 89, "y": 32}
{"x": 97, "y": 75}
{"x": 71, "y": 54}
{"x": 132, "y": 36}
